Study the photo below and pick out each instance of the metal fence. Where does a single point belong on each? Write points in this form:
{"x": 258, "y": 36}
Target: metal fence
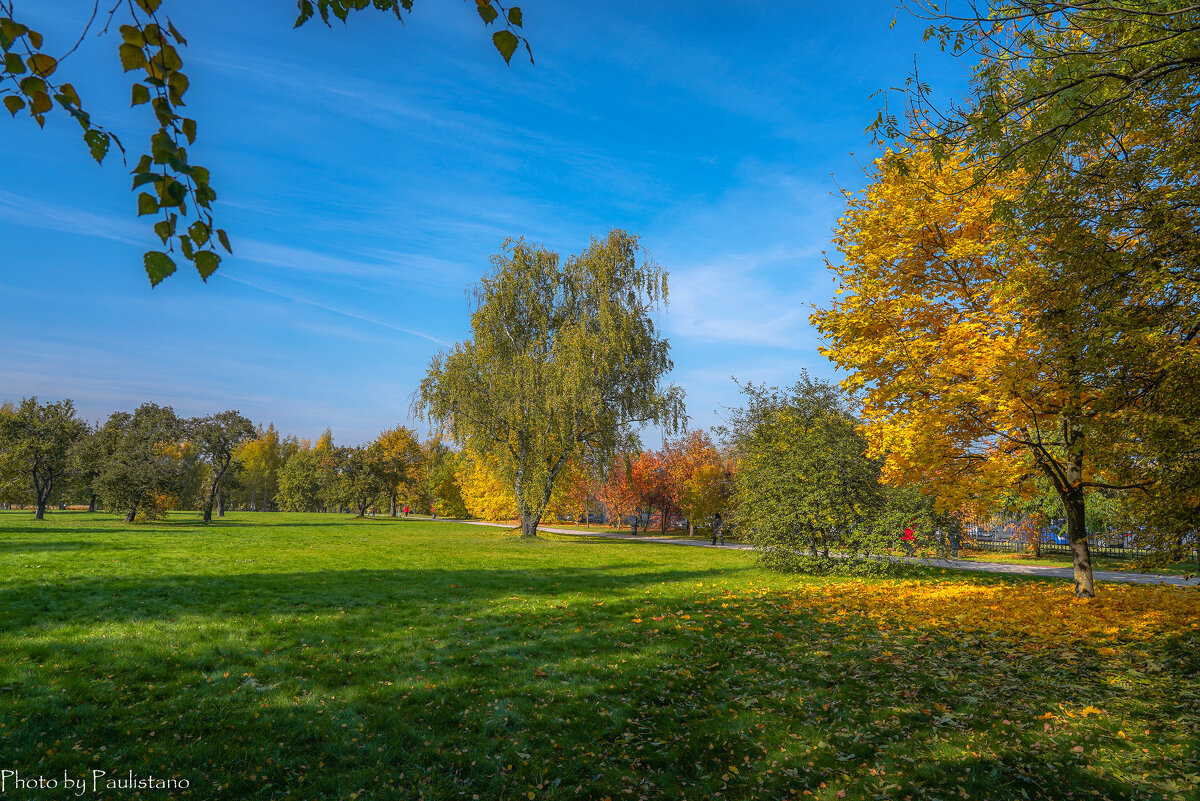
{"x": 1009, "y": 536}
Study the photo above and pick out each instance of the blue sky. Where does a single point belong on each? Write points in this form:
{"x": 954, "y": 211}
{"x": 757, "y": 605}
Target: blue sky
{"x": 366, "y": 173}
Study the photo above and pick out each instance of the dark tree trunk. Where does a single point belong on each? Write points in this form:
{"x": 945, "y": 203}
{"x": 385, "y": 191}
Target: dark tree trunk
{"x": 41, "y": 492}
{"x": 664, "y": 520}
{"x": 131, "y": 514}
{"x": 209, "y": 501}
{"x": 392, "y": 504}
{"x": 1071, "y": 493}
{"x": 220, "y": 504}
{"x": 92, "y": 503}
{"x": 529, "y": 525}
{"x": 1081, "y": 556}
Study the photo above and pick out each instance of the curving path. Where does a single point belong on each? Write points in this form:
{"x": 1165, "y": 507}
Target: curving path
{"x": 1040, "y": 571}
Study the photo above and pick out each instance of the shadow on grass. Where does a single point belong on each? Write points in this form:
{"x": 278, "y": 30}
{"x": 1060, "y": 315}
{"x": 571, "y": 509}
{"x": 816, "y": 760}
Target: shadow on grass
{"x": 118, "y": 598}
{"x": 448, "y": 683}
{"x": 20, "y": 546}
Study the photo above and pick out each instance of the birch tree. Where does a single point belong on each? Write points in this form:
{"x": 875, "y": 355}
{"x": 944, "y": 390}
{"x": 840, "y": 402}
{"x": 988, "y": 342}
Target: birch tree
{"x": 564, "y": 355}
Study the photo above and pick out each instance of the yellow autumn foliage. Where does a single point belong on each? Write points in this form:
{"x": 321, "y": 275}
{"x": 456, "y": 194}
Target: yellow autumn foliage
{"x": 488, "y": 496}
{"x": 932, "y": 320}
{"x": 1028, "y": 614}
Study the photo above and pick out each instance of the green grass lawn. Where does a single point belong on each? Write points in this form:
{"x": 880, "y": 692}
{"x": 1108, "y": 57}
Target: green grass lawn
{"x": 317, "y": 657}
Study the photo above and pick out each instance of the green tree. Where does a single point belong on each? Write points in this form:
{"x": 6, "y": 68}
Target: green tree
{"x": 141, "y": 459}
{"x": 1055, "y": 71}
{"x": 805, "y": 491}
{"x": 192, "y": 473}
{"x": 13, "y": 487}
{"x": 86, "y": 463}
{"x": 179, "y": 191}
{"x": 563, "y": 355}
{"x": 36, "y": 440}
{"x": 363, "y": 477}
{"x": 303, "y": 482}
{"x": 217, "y": 438}
{"x": 804, "y": 485}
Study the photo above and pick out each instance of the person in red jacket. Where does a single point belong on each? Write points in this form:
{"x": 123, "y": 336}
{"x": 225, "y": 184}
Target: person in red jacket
{"x": 908, "y": 539}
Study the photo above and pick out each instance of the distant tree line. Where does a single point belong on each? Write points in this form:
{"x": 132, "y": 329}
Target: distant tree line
{"x": 790, "y": 471}
{"x": 149, "y": 461}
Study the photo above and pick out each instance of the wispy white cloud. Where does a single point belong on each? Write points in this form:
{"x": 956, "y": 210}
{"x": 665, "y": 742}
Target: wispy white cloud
{"x": 729, "y": 303}
{"x": 380, "y": 263}
{"x": 296, "y": 298}
{"x": 30, "y": 213}
{"x": 747, "y": 267}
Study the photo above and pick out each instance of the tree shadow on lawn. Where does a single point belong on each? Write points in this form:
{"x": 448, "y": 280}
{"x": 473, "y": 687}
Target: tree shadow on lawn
{"x": 18, "y": 546}
{"x": 113, "y": 528}
{"x": 169, "y": 596}
{"x": 396, "y": 682}
{"x": 335, "y": 520}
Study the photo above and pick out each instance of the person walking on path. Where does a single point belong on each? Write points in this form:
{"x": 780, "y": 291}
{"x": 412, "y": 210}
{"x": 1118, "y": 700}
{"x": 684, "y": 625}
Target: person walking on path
{"x": 909, "y": 537}
{"x": 718, "y": 528}
{"x": 406, "y": 510}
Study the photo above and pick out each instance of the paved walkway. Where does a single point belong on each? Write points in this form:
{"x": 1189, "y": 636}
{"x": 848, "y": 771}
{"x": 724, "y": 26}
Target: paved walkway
{"x": 1040, "y": 571}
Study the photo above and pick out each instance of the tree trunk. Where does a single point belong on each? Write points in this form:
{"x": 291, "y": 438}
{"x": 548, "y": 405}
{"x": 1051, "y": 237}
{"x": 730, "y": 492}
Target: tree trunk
{"x": 41, "y": 493}
{"x": 532, "y": 515}
{"x": 220, "y": 504}
{"x": 1081, "y": 556}
{"x": 529, "y": 518}
{"x": 252, "y": 504}
{"x": 392, "y": 510}
{"x": 131, "y": 514}
{"x": 664, "y": 520}
{"x": 529, "y": 525}
{"x": 92, "y": 503}
{"x": 1073, "y": 502}
{"x": 208, "y": 503}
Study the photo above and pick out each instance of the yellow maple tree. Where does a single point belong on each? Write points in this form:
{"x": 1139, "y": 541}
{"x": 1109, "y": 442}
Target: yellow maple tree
{"x": 486, "y": 495}
{"x": 986, "y": 349}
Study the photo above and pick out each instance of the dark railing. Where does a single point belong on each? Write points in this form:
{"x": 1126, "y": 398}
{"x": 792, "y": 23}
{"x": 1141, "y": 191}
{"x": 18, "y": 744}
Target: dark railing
{"x": 1051, "y": 547}
{"x": 1009, "y": 537}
